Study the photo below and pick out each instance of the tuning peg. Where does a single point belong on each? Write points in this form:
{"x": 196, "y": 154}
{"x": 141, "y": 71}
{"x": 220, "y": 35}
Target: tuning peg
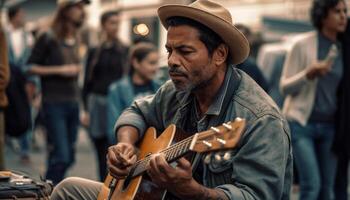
{"x": 207, "y": 158}
{"x": 227, "y": 156}
{"x": 228, "y": 126}
{"x": 218, "y": 157}
{"x": 215, "y": 129}
{"x": 208, "y": 144}
{"x": 238, "y": 119}
{"x": 221, "y": 141}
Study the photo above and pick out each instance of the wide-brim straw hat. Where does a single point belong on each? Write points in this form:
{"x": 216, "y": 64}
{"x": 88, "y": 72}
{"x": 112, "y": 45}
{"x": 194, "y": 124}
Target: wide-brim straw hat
{"x": 216, "y": 18}
{"x": 64, "y": 3}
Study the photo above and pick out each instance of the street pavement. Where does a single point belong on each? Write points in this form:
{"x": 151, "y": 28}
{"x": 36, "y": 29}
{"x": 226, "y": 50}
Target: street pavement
{"x": 85, "y": 165}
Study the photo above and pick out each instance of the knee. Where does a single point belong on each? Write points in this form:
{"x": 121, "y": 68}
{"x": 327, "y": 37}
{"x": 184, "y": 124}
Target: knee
{"x": 68, "y": 182}
{"x": 62, "y": 189}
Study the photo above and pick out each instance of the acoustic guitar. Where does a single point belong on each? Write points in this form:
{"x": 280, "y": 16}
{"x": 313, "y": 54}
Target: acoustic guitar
{"x": 138, "y": 186}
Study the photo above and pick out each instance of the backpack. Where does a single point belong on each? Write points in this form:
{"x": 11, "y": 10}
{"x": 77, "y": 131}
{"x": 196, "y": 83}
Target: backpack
{"x": 17, "y": 114}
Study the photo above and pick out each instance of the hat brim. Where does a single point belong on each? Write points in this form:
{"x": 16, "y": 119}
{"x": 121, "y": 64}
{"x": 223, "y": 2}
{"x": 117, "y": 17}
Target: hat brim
{"x": 237, "y": 42}
{"x": 65, "y": 4}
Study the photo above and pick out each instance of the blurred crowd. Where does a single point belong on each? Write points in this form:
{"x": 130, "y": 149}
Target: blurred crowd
{"x": 306, "y": 75}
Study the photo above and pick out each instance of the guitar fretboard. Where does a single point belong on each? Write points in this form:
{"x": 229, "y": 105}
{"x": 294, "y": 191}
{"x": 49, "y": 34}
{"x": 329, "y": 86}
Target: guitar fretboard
{"x": 171, "y": 153}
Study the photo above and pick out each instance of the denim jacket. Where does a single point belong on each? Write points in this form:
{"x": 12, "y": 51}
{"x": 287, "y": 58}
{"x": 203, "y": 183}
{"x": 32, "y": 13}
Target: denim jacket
{"x": 261, "y": 164}
{"x": 120, "y": 95}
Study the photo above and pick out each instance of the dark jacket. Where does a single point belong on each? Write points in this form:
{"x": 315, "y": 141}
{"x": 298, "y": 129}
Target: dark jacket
{"x": 342, "y": 137}
{"x": 49, "y": 51}
{"x": 250, "y": 67}
{"x": 104, "y": 65}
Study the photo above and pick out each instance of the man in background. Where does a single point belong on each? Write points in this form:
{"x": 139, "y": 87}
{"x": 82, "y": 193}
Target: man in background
{"x": 20, "y": 43}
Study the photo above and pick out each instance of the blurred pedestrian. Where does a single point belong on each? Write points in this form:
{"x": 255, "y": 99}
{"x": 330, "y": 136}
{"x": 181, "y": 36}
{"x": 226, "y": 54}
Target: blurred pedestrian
{"x": 4, "y": 79}
{"x": 342, "y": 137}
{"x": 137, "y": 84}
{"x": 310, "y": 79}
{"x": 249, "y": 65}
{"x": 20, "y": 43}
{"x": 56, "y": 60}
{"x": 105, "y": 64}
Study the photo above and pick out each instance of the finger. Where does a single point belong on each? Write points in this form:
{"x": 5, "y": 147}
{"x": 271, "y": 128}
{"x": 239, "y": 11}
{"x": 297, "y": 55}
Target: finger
{"x": 153, "y": 165}
{"x": 129, "y": 149}
{"x": 116, "y": 160}
{"x": 133, "y": 159}
{"x": 154, "y": 172}
{"x": 123, "y": 160}
{"x": 184, "y": 164}
{"x": 126, "y": 150}
{"x": 163, "y": 166}
{"x": 117, "y": 172}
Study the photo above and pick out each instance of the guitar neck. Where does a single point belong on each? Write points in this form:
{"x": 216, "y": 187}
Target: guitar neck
{"x": 171, "y": 154}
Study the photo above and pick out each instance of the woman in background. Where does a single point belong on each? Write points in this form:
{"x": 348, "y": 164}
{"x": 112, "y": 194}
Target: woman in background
{"x": 138, "y": 83}
{"x": 310, "y": 79}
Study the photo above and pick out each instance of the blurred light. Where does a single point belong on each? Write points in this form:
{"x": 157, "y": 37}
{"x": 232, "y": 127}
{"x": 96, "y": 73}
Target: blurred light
{"x": 141, "y": 29}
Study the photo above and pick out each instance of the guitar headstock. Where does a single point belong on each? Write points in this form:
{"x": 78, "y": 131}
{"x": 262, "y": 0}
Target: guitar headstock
{"x": 217, "y": 138}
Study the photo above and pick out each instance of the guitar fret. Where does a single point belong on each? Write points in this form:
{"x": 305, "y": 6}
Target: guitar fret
{"x": 171, "y": 153}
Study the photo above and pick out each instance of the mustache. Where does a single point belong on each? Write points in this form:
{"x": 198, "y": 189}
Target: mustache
{"x": 176, "y": 70}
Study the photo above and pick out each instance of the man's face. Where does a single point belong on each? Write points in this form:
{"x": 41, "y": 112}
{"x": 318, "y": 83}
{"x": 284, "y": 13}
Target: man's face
{"x": 19, "y": 18}
{"x": 76, "y": 14}
{"x": 190, "y": 66}
{"x": 111, "y": 25}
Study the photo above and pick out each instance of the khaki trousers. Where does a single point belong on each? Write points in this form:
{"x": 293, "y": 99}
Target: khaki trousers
{"x": 74, "y": 188}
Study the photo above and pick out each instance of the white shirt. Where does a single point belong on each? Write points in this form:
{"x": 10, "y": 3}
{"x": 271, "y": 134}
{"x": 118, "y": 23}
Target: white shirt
{"x": 16, "y": 39}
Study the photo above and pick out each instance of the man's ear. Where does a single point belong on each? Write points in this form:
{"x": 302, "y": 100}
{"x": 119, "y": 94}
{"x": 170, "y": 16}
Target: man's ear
{"x": 220, "y": 54}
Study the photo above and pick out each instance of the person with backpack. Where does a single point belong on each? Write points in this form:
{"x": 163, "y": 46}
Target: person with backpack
{"x": 23, "y": 88}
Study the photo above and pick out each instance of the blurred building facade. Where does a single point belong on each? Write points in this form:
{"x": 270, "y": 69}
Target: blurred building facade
{"x": 272, "y": 18}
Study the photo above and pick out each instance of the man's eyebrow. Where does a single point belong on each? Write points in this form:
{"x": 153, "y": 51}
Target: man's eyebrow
{"x": 180, "y": 46}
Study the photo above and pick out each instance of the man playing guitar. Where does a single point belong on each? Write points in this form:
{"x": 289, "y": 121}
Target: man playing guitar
{"x": 205, "y": 90}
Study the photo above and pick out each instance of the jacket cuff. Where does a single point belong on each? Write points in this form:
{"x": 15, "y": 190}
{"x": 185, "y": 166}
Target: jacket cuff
{"x": 231, "y": 191}
{"x": 131, "y": 119}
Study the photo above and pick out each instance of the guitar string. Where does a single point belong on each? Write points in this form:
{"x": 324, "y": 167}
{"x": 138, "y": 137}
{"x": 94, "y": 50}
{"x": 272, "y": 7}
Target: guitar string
{"x": 171, "y": 148}
{"x": 146, "y": 160}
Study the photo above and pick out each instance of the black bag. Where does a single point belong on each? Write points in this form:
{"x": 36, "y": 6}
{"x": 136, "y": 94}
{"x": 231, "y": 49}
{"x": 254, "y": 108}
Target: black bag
{"x": 17, "y": 114}
{"x": 20, "y": 186}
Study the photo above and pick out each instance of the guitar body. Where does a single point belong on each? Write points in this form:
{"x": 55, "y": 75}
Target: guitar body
{"x": 141, "y": 187}
{"x": 138, "y": 186}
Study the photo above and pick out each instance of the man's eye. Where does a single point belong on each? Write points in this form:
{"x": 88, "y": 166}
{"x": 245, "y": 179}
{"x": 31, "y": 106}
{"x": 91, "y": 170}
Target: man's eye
{"x": 186, "y": 52}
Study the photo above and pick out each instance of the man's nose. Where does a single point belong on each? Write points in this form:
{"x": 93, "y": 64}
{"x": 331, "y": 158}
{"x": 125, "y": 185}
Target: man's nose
{"x": 173, "y": 60}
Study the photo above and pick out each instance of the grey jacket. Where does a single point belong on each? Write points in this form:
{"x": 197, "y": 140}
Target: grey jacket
{"x": 260, "y": 166}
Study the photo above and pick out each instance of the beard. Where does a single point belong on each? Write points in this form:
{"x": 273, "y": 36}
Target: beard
{"x": 181, "y": 86}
